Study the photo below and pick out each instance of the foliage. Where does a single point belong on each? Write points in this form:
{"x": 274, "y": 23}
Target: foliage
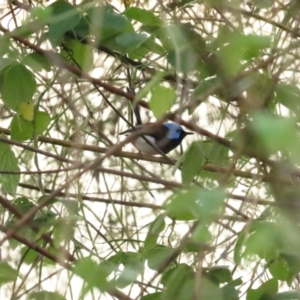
{"x": 84, "y": 218}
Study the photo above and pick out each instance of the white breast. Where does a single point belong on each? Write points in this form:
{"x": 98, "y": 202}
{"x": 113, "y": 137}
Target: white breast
{"x": 143, "y": 147}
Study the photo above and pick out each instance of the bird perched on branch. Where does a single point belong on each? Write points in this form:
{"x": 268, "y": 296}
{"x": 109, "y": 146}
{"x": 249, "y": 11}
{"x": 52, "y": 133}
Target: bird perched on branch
{"x": 164, "y": 137}
{"x": 155, "y": 138}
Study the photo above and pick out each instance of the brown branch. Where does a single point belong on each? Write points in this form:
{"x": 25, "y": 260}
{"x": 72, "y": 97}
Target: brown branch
{"x": 125, "y": 154}
{"x": 35, "y": 247}
{"x": 59, "y": 62}
{"x": 293, "y": 32}
{"x": 148, "y": 205}
{"x": 12, "y": 209}
{"x": 94, "y": 199}
{"x": 32, "y": 245}
{"x": 92, "y": 166}
{"x": 123, "y": 58}
{"x": 82, "y": 166}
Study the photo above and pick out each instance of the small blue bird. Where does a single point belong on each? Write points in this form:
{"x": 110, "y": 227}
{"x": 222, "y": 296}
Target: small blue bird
{"x": 165, "y": 137}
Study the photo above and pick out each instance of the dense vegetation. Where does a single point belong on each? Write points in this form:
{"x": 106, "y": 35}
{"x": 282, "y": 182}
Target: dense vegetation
{"x": 84, "y": 216}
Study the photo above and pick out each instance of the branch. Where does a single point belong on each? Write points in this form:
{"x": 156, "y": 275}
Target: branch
{"x": 130, "y": 155}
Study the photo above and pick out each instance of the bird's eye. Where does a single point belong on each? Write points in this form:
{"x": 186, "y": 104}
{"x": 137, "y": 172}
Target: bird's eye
{"x": 178, "y": 130}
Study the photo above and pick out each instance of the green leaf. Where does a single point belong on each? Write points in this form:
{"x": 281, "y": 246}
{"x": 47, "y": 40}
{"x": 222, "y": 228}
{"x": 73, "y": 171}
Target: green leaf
{"x": 238, "y": 48}
{"x": 293, "y": 261}
{"x": 81, "y": 53}
{"x": 291, "y": 295}
{"x": 34, "y": 23}
{"x": 218, "y": 274}
{"x": 157, "y": 256}
{"x": 37, "y": 62}
{"x": 4, "y": 45}
{"x": 214, "y": 153}
{"x": 45, "y": 295}
{"x": 261, "y": 90}
{"x": 130, "y": 40}
{"x": 7, "y": 273}
{"x": 253, "y": 44}
{"x": 185, "y": 46}
{"x": 45, "y": 216}
{"x": 139, "y": 52}
{"x": 179, "y": 4}
{"x": 161, "y": 101}
{"x": 63, "y": 230}
{"x": 150, "y": 85}
{"x": 83, "y": 28}
{"x": 193, "y": 37}
{"x": 280, "y": 269}
{"x": 263, "y": 3}
{"x": 154, "y": 296}
{"x": 277, "y": 134}
{"x": 26, "y": 111}
{"x": 18, "y": 86}
{"x": 5, "y": 62}
{"x": 239, "y": 247}
{"x": 183, "y": 205}
{"x": 45, "y": 197}
{"x": 288, "y": 95}
{"x": 195, "y": 203}
{"x": 107, "y": 25}
{"x": 29, "y": 256}
{"x": 231, "y": 56}
{"x": 64, "y": 17}
{"x": 183, "y": 36}
{"x": 42, "y": 14}
{"x": 151, "y": 45}
{"x": 23, "y": 205}
{"x": 230, "y": 292}
{"x": 184, "y": 59}
{"x": 92, "y": 273}
{"x": 118, "y": 258}
{"x": 264, "y": 240}
{"x": 71, "y": 205}
{"x": 21, "y": 130}
{"x": 143, "y": 16}
{"x": 201, "y": 234}
{"x": 182, "y": 269}
{"x": 41, "y": 121}
{"x": 193, "y": 163}
{"x": 152, "y": 30}
{"x": 205, "y": 86}
{"x": 206, "y": 152}
{"x": 156, "y": 227}
{"x": 266, "y": 291}
{"x": 209, "y": 291}
{"x": 181, "y": 285}
{"x": 133, "y": 267}
{"x": 8, "y": 162}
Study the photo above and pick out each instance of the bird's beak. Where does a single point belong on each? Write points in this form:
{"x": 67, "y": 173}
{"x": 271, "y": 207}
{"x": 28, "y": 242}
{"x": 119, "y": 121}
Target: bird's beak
{"x": 187, "y": 133}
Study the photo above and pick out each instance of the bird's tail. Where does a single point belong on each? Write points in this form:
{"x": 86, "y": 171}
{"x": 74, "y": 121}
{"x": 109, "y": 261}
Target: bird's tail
{"x": 136, "y": 108}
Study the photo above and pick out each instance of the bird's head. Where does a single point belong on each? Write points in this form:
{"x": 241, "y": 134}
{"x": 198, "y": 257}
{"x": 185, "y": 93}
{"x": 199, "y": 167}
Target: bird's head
{"x": 175, "y": 134}
{"x": 176, "y": 131}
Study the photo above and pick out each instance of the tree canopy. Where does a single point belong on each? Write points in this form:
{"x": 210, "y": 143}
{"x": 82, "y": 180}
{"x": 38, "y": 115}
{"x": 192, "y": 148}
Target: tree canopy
{"x": 84, "y": 215}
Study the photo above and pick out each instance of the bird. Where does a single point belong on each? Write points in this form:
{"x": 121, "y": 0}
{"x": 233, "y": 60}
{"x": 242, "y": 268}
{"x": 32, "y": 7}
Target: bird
{"x": 165, "y": 137}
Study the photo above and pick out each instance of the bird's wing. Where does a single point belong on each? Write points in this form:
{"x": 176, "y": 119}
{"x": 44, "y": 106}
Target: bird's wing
{"x": 131, "y": 129}
{"x": 156, "y": 131}
{"x": 128, "y": 131}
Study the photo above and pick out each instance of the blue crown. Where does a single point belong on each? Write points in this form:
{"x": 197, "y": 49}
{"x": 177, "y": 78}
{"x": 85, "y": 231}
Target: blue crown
{"x": 175, "y": 130}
